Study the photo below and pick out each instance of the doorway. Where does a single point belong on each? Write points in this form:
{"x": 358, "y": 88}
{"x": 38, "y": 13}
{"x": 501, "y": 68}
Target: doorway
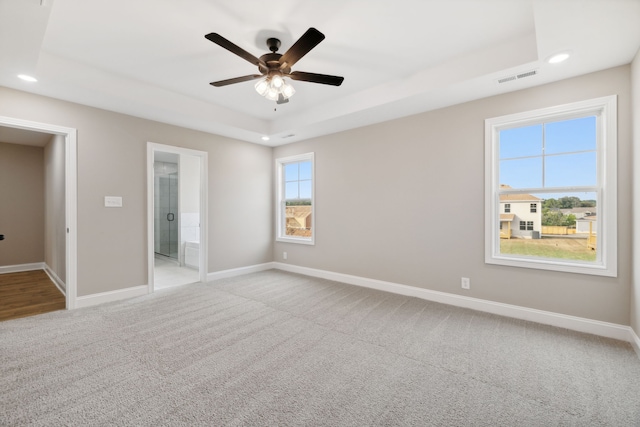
{"x": 62, "y": 263}
{"x": 177, "y": 201}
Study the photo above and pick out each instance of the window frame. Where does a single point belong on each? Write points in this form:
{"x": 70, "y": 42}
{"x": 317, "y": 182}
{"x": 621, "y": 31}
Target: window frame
{"x": 281, "y": 200}
{"x": 605, "y": 110}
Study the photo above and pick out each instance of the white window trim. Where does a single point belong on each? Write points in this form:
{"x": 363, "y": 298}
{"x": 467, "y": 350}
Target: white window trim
{"x": 607, "y": 228}
{"x": 280, "y": 201}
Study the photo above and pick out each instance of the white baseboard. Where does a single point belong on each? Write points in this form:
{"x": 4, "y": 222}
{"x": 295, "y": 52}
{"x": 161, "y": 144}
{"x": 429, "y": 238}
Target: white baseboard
{"x": 103, "y": 297}
{"x": 55, "y": 279}
{"x": 239, "y": 271}
{"x": 22, "y": 267}
{"x": 580, "y": 324}
{"x": 137, "y": 291}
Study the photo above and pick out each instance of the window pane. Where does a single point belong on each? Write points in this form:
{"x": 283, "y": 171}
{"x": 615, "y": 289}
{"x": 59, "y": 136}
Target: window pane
{"x": 305, "y": 170}
{"x": 521, "y": 142}
{"x": 298, "y": 219}
{"x": 305, "y": 189}
{"x": 570, "y": 170}
{"x": 570, "y": 135}
{"x": 565, "y": 229}
{"x": 521, "y": 173}
{"x": 291, "y": 190}
{"x": 291, "y": 172}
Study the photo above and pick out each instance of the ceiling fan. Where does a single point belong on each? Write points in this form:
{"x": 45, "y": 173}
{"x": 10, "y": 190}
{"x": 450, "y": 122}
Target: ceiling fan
{"x": 274, "y": 67}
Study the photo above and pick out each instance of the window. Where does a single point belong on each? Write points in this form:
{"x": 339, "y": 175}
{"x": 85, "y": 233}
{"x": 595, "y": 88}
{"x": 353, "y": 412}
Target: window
{"x": 295, "y": 192}
{"x": 526, "y": 225}
{"x": 552, "y": 164}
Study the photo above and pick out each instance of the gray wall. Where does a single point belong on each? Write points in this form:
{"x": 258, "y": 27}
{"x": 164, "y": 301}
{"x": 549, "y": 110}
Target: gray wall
{"x": 390, "y": 199}
{"x": 403, "y": 201}
{"x": 112, "y": 162}
{"x": 21, "y": 204}
{"x": 635, "y": 292}
{"x": 54, "y": 207}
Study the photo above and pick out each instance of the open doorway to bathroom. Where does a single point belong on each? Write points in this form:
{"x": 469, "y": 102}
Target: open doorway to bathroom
{"x": 177, "y": 181}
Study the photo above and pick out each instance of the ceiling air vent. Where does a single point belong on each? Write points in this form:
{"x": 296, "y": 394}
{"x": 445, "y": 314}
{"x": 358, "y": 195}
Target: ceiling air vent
{"x": 517, "y": 76}
{"x": 289, "y": 136}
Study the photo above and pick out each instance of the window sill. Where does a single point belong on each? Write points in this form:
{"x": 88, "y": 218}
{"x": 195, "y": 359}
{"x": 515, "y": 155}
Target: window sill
{"x": 553, "y": 265}
{"x": 298, "y": 240}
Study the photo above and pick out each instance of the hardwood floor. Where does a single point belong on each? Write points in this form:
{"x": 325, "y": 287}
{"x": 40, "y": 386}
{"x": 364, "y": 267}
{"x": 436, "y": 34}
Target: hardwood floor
{"x": 28, "y": 293}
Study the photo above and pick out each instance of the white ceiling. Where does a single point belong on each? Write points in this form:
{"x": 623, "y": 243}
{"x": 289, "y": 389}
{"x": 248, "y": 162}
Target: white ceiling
{"x": 149, "y": 58}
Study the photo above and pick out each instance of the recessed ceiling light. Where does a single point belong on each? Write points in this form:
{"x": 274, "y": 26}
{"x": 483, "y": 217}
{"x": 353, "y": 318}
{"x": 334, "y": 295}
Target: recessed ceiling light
{"x": 265, "y": 138}
{"x": 27, "y": 78}
{"x": 558, "y": 57}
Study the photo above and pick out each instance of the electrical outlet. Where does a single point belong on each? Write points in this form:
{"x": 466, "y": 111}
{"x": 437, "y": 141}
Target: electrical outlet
{"x": 284, "y": 255}
{"x": 466, "y": 283}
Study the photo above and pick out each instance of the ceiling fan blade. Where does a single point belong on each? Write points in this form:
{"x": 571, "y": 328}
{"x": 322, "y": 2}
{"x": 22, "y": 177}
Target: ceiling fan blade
{"x": 222, "y": 42}
{"x": 236, "y": 80}
{"x": 316, "y": 78}
{"x": 300, "y": 48}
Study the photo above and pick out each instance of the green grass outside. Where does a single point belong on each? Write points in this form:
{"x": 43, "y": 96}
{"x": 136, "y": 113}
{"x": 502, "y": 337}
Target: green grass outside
{"x": 571, "y": 249}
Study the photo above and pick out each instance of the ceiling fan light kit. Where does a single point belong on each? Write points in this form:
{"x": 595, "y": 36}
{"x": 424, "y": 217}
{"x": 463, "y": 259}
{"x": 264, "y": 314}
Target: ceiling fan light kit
{"x": 274, "y": 67}
{"x": 273, "y": 87}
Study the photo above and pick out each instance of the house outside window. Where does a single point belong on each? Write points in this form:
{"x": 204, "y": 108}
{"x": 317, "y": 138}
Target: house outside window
{"x": 552, "y": 161}
{"x": 520, "y": 213}
{"x": 295, "y": 199}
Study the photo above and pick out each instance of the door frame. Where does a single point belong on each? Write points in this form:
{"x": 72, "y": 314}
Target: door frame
{"x": 204, "y": 220}
{"x": 71, "y": 197}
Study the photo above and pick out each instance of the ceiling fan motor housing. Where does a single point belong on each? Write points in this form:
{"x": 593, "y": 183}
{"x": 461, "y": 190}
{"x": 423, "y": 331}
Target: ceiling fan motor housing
{"x": 273, "y": 44}
{"x": 272, "y": 60}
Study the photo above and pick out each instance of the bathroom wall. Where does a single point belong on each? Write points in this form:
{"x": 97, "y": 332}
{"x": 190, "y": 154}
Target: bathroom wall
{"x": 189, "y": 199}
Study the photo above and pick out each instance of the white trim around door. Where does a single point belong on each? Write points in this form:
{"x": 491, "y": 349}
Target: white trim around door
{"x": 203, "y": 156}
{"x": 71, "y": 196}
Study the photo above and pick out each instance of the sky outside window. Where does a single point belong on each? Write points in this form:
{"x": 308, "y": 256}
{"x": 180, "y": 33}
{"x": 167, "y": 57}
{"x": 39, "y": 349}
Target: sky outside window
{"x": 297, "y": 177}
{"x": 556, "y": 154}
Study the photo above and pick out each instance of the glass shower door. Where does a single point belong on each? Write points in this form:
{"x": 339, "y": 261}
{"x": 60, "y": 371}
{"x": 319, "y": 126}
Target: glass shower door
{"x": 166, "y": 221}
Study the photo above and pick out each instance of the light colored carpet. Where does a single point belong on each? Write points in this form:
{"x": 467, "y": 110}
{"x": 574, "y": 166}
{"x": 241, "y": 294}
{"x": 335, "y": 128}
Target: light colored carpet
{"x": 276, "y": 348}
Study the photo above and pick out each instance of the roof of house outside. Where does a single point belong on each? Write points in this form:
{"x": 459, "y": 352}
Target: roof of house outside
{"x": 507, "y": 217}
{"x": 517, "y": 197}
{"x": 302, "y": 211}
{"x": 586, "y": 210}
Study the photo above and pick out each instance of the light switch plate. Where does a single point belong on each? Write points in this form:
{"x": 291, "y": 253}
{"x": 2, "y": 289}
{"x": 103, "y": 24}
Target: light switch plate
{"x": 112, "y": 202}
